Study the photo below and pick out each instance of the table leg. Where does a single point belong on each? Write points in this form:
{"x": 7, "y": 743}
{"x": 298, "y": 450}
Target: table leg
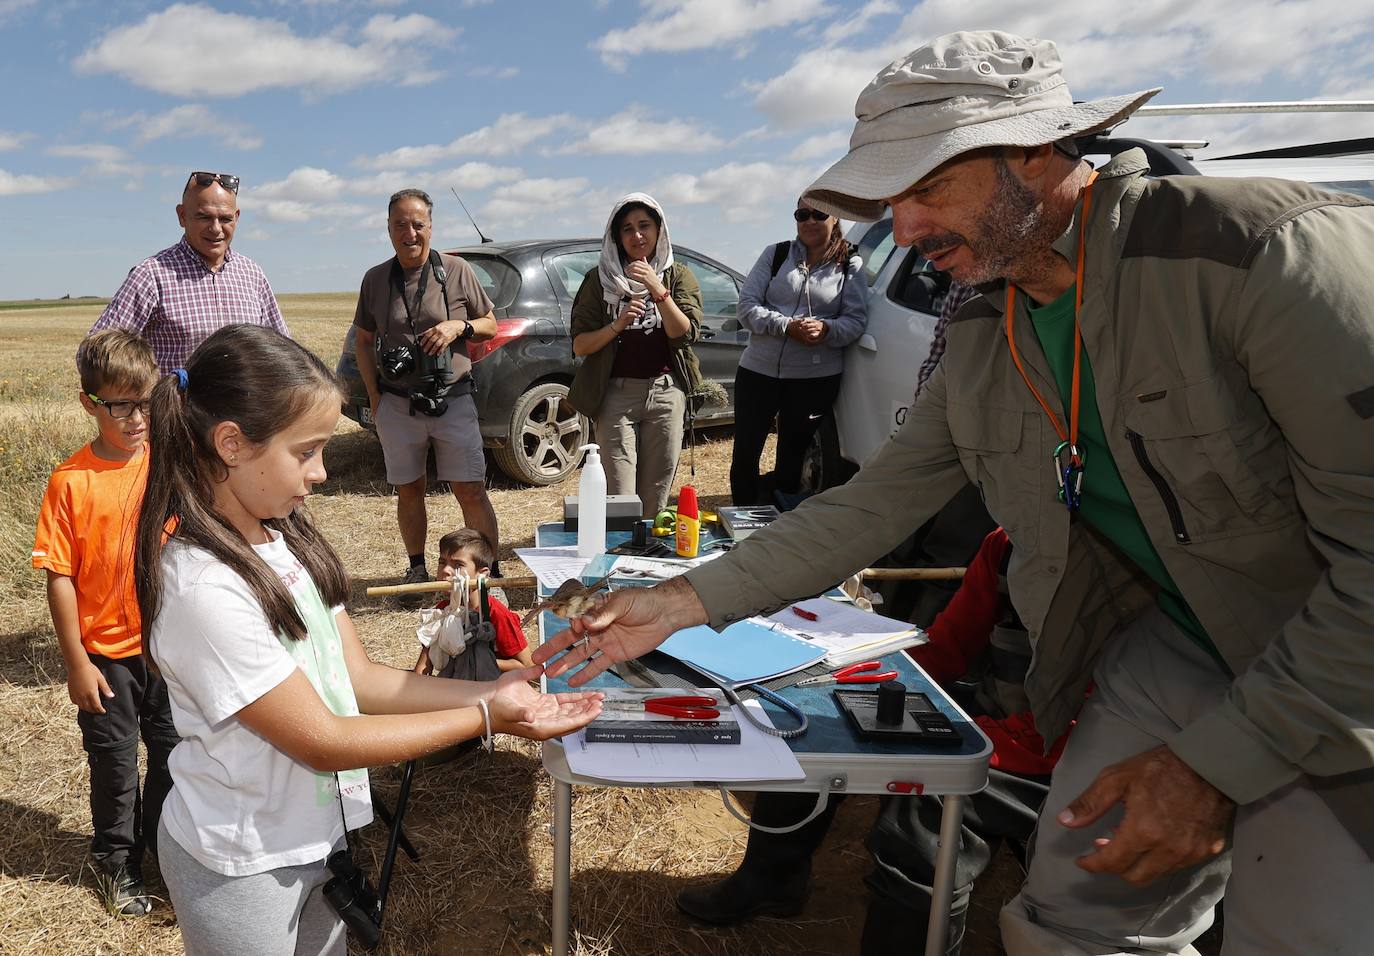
{"x": 942, "y": 887}
{"x": 562, "y": 865}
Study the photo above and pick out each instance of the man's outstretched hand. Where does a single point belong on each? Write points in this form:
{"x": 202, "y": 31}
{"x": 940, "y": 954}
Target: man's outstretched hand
{"x": 626, "y": 624}
{"x": 1174, "y": 818}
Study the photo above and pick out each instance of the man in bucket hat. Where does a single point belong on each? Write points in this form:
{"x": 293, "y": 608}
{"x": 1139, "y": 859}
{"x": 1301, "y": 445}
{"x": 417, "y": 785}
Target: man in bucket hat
{"x": 1166, "y": 395}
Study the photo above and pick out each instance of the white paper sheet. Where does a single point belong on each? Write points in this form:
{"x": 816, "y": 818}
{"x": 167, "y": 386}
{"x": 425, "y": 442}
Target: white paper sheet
{"x": 758, "y": 756}
{"x": 847, "y": 633}
{"x": 553, "y": 566}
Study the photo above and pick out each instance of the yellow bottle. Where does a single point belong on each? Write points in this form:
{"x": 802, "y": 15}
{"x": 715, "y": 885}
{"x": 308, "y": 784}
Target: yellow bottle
{"x": 688, "y": 523}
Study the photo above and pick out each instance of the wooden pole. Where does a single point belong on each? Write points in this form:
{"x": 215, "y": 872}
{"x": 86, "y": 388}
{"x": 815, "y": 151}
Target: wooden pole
{"x": 444, "y": 587}
{"x": 913, "y": 574}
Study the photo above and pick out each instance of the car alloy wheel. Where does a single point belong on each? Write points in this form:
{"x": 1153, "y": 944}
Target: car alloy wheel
{"x": 545, "y": 436}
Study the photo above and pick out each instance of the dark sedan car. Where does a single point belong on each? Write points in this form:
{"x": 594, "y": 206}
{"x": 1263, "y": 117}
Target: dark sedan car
{"x": 523, "y": 373}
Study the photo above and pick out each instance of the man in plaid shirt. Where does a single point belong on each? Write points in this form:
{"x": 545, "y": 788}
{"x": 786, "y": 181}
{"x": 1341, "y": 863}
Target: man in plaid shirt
{"x": 178, "y": 297}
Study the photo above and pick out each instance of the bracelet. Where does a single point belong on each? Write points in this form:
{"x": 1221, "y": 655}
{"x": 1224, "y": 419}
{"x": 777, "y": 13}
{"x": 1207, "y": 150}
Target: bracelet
{"x": 661, "y": 298}
{"x": 487, "y": 742}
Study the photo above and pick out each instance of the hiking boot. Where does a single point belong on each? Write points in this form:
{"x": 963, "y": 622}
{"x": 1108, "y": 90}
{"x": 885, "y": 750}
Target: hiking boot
{"x": 743, "y": 895}
{"x": 122, "y": 891}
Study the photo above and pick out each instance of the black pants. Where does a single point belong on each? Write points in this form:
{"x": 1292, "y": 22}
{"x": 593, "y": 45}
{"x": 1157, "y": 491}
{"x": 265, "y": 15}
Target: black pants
{"x": 800, "y": 405}
{"x": 904, "y": 842}
{"x": 124, "y": 820}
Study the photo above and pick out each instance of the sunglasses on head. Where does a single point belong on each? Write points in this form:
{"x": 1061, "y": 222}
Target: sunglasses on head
{"x": 202, "y": 179}
{"x": 801, "y": 215}
{"x": 120, "y": 410}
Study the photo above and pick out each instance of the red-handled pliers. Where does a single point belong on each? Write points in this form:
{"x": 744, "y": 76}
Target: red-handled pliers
{"x": 683, "y": 708}
{"x": 853, "y": 674}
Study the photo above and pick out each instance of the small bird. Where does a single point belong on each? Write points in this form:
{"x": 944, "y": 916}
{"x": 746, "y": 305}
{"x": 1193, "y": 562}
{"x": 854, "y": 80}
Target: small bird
{"x": 572, "y": 599}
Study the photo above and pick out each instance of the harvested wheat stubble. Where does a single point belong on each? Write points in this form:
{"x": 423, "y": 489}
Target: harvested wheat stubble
{"x": 481, "y": 822}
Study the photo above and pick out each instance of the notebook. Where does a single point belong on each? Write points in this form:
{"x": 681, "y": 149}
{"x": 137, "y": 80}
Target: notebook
{"x": 746, "y": 652}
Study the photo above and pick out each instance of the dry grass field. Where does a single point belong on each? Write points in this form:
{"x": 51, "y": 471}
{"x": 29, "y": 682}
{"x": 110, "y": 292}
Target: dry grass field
{"x": 480, "y": 821}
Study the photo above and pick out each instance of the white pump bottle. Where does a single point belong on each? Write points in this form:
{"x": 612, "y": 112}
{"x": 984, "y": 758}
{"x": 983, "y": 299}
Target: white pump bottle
{"x": 591, "y": 505}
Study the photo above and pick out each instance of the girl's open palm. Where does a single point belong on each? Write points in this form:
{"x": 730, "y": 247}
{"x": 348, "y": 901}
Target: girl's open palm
{"x": 517, "y": 708}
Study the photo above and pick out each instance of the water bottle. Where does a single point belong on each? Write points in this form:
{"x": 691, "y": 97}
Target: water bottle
{"x": 591, "y": 505}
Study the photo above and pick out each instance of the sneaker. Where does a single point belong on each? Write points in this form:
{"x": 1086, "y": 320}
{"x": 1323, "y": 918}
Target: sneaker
{"x": 417, "y": 574}
{"x": 122, "y": 891}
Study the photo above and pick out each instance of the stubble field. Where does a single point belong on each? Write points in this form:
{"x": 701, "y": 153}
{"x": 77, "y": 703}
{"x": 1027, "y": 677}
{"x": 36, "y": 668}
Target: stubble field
{"x": 480, "y": 821}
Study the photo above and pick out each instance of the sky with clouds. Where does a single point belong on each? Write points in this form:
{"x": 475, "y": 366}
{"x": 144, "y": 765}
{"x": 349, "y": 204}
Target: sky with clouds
{"x": 540, "y": 114}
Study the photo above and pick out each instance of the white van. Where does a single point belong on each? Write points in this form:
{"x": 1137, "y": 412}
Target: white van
{"x": 905, "y": 295}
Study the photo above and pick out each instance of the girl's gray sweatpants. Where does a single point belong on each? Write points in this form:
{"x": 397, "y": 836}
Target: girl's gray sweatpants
{"x": 280, "y": 912}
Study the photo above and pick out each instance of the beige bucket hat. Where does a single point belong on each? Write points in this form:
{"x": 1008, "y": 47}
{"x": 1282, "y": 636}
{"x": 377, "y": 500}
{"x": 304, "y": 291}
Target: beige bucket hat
{"x": 960, "y": 92}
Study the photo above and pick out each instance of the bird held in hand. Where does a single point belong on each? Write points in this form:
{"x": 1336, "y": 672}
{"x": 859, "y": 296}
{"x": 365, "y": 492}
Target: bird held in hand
{"x": 572, "y": 599}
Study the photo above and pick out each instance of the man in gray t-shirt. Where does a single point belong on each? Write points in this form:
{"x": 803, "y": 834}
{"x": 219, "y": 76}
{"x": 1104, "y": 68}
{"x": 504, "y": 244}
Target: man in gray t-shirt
{"x": 416, "y": 313}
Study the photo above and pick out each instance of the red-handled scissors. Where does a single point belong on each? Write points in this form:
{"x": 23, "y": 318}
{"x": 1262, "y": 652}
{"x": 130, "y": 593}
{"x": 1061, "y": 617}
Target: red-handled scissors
{"x": 861, "y": 673}
{"x": 684, "y": 708}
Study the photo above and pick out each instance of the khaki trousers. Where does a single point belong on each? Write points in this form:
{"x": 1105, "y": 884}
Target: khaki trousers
{"x": 639, "y": 428}
{"x": 1296, "y": 883}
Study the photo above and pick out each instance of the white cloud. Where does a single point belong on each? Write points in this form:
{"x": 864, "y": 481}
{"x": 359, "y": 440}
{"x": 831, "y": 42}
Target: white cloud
{"x": 510, "y": 133}
{"x": 193, "y": 50}
{"x": 528, "y": 199}
{"x": 305, "y": 184}
{"x": 9, "y": 141}
{"x": 188, "y": 121}
{"x": 828, "y": 146}
{"x": 476, "y": 176}
{"x": 820, "y": 87}
{"x": 739, "y": 189}
{"x": 495, "y": 72}
{"x": 385, "y": 31}
{"x": 848, "y": 25}
{"x": 92, "y": 152}
{"x": 20, "y": 184}
{"x": 678, "y": 25}
{"x": 632, "y": 132}
{"x": 309, "y": 193}
{"x": 1228, "y": 45}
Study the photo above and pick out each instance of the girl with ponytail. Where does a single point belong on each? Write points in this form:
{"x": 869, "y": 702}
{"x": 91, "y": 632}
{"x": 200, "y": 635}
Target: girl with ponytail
{"x": 277, "y": 704}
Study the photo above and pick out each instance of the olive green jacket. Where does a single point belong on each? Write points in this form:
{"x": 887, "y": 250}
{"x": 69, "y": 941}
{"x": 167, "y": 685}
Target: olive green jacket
{"x": 589, "y": 313}
{"x": 1230, "y": 328}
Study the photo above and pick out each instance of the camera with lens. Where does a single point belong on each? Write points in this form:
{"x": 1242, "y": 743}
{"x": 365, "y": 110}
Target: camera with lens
{"x": 352, "y": 897}
{"x": 398, "y": 362}
{"x": 427, "y": 373}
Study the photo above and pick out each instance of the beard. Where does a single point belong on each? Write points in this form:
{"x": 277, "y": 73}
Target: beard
{"x": 1011, "y": 228}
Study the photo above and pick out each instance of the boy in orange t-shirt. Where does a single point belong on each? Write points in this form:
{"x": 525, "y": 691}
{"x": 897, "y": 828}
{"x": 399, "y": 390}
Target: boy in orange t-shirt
{"x": 85, "y": 543}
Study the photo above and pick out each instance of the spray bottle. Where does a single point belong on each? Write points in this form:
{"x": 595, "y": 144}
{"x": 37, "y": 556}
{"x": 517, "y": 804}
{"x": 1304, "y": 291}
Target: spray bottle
{"x": 688, "y": 522}
{"x": 591, "y": 505}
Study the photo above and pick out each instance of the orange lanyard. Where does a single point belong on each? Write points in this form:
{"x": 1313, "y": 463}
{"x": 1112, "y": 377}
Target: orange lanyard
{"x": 1068, "y": 457}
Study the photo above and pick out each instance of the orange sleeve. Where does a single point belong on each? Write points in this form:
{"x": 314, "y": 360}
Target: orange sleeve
{"x": 56, "y": 548}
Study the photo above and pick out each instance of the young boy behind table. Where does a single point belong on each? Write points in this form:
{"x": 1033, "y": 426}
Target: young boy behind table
{"x": 85, "y": 543}
{"x": 467, "y": 551}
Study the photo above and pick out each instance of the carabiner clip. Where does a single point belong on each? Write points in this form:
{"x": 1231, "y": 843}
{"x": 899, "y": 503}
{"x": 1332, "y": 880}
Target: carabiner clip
{"x": 1069, "y": 474}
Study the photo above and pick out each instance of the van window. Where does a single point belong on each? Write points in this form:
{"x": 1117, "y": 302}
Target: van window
{"x": 1360, "y": 187}
{"x": 876, "y": 248}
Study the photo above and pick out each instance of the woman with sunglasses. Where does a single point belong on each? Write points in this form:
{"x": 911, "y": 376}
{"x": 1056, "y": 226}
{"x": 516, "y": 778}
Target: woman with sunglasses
{"x": 803, "y": 302}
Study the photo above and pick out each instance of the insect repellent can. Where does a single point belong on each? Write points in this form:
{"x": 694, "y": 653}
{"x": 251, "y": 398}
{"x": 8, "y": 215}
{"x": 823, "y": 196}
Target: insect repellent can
{"x": 688, "y": 522}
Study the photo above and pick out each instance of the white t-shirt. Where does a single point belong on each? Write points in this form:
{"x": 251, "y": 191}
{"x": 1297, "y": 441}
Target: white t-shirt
{"x": 238, "y": 804}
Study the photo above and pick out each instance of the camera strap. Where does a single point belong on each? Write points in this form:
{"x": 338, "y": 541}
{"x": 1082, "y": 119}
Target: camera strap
{"x": 434, "y": 265}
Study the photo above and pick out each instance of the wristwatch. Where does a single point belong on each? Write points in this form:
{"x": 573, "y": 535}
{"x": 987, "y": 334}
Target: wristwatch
{"x": 467, "y": 331}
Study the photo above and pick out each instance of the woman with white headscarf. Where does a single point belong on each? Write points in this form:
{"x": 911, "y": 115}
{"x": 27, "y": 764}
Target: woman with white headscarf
{"x": 634, "y": 320}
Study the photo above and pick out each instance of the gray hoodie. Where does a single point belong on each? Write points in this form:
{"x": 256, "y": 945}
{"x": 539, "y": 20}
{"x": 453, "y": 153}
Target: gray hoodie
{"x": 766, "y": 304}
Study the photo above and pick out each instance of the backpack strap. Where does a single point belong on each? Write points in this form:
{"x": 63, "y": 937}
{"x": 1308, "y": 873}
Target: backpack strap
{"x": 779, "y": 256}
